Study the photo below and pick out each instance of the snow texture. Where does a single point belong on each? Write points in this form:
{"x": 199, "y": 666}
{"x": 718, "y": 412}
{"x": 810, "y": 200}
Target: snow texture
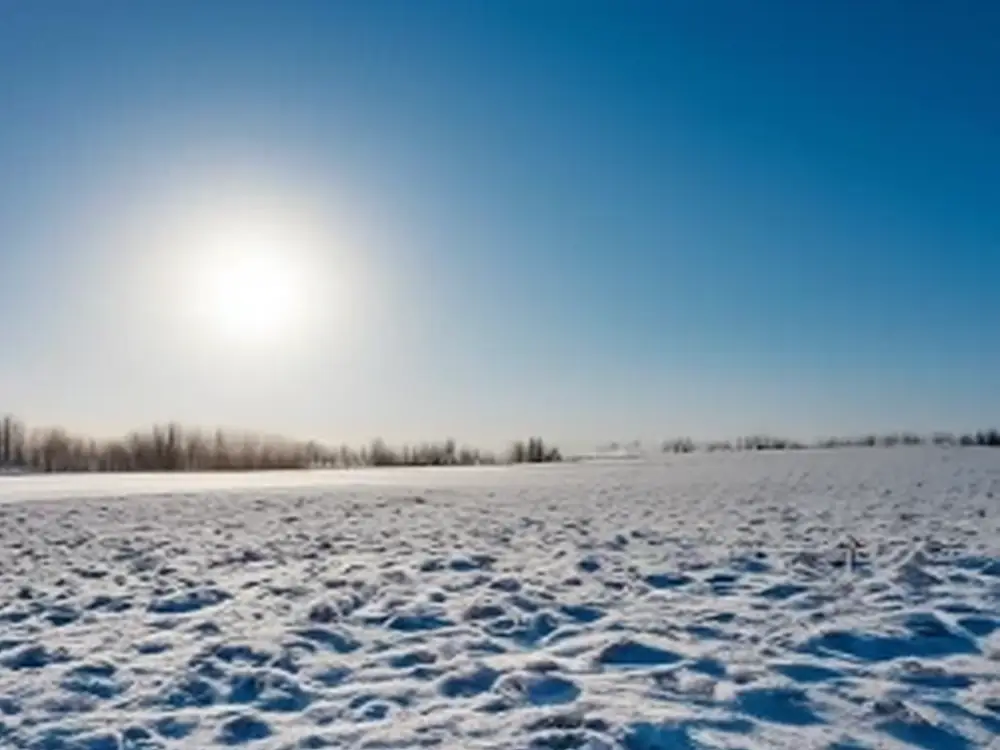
{"x": 837, "y": 600}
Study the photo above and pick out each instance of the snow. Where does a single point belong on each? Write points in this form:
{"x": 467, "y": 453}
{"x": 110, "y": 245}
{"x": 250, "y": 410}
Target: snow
{"x": 840, "y": 599}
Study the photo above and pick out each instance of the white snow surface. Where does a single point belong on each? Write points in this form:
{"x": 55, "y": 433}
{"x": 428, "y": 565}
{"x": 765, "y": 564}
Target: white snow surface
{"x": 689, "y": 603}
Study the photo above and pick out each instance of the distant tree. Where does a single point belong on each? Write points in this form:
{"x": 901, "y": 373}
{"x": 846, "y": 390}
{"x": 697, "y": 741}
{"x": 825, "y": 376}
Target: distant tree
{"x": 220, "y": 452}
{"x": 6, "y": 439}
{"x": 723, "y": 445}
{"x": 345, "y": 460}
{"x": 683, "y": 445}
{"x": 518, "y": 452}
{"x": 55, "y": 451}
{"x": 18, "y": 450}
{"x": 172, "y": 448}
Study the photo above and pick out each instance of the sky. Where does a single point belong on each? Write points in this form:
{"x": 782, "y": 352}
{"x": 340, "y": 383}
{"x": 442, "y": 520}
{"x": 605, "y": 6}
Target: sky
{"x": 592, "y": 221}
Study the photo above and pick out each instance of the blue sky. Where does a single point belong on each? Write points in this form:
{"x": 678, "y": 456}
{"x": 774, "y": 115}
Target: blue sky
{"x": 587, "y": 220}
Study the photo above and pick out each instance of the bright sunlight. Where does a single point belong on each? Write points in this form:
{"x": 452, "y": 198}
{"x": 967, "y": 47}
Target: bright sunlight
{"x": 254, "y": 297}
{"x": 250, "y": 266}
{"x": 248, "y": 289}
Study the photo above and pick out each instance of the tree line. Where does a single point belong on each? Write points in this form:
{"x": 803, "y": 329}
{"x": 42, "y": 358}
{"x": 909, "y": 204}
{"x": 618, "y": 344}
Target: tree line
{"x": 984, "y": 438}
{"x": 172, "y": 448}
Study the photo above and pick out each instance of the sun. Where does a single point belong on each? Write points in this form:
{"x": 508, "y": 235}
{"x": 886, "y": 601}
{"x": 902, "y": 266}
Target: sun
{"x": 249, "y": 277}
{"x": 248, "y": 291}
{"x": 253, "y": 297}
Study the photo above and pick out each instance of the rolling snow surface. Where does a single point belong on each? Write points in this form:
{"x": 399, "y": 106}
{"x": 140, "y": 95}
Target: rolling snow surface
{"x": 839, "y": 600}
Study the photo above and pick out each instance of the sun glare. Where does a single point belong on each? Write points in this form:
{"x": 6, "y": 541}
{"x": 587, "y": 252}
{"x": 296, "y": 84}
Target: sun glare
{"x": 253, "y": 297}
{"x": 247, "y": 271}
{"x": 248, "y": 291}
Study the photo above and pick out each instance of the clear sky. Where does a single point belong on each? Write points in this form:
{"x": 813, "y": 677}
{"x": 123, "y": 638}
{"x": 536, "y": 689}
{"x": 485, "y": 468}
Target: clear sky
{"x": 587, "y": 220}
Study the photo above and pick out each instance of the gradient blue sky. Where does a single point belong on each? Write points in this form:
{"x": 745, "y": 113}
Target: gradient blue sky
{"x": 588, "y": 220}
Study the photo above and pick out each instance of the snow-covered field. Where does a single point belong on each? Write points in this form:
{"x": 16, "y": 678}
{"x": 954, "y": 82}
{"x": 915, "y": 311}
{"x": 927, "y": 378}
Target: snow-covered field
{"x": 698, "y": 602}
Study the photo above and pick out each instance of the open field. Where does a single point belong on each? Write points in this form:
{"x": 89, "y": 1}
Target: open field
{"x": 704, "y": 601}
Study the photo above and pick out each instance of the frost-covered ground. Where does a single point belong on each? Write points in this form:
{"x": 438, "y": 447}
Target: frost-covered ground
{"x": 703, "y": 602}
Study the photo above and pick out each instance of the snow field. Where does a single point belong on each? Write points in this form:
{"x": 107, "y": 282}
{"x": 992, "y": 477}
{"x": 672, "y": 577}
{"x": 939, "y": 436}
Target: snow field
{"x": 703, "y": 602}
